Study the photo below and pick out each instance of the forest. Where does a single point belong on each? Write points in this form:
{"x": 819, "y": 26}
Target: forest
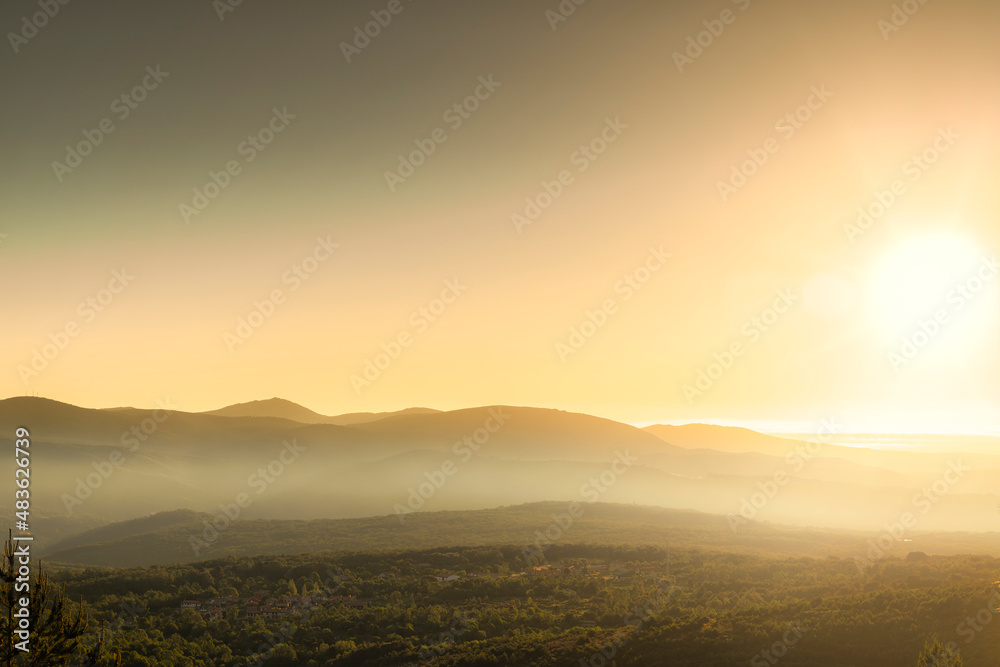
{"x": 586, "y": 604}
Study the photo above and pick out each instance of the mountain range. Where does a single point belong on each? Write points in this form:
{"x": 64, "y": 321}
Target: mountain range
{"x": 276, "y": 460}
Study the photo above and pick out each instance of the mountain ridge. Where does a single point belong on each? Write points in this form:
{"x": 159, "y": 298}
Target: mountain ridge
{"x": 284, "y": 409}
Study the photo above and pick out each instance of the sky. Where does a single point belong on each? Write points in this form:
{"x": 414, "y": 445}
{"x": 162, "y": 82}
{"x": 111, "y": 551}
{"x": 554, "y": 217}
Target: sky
{"x": 642, "y": 210}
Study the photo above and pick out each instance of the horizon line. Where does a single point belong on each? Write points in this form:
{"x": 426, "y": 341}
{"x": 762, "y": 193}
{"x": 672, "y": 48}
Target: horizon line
{"x": 775, "y": 427}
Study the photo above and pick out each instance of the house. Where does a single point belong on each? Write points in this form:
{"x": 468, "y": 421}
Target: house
{"x": 191, "y": 604}
{"x": 446, "y": 578}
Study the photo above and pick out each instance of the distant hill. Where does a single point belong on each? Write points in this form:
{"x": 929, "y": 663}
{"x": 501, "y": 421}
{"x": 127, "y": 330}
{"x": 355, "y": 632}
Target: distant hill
{"x": 283, "y": 409}
{"x": 721, "y": 438}
{"x": 468, "y": 459}
{"x": 38, "y": 414}
{"x": 125, "y": 530}
{"x": 55, "y": 422}
{"x": 272, "y": 407}
{"x": 538, "y": 432}
{"x": 738, "y": 440}
{"x": 167, "y": 538}
{"x": 364, "y": 417}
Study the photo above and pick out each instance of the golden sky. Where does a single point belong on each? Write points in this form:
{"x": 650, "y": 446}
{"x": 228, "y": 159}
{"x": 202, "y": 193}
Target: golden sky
{"x": 612, "y": 122}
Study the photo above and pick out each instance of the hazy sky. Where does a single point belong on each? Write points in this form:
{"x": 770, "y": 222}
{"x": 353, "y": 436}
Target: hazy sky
{"x": 267, "y": 92}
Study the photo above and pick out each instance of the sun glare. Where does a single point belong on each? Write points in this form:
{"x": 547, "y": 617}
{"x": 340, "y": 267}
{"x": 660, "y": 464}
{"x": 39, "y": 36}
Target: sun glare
{"x": 920, "y": 277}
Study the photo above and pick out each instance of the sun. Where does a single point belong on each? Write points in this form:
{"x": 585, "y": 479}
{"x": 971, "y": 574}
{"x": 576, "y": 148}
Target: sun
{"x": 915, "y": 279}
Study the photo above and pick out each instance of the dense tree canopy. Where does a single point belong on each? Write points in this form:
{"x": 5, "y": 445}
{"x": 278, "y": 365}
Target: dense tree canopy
{"x": 601, "y": 604}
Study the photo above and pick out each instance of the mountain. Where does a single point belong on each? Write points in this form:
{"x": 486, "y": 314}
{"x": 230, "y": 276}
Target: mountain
{"x": 55, "y": 422}
{"x": 911, "y": 462}
{"x": 364, "y": 417}
{"x": 123, "y": 463}
{"x": 272, "y": 407}
{"x": 70, "y": 422}
{"x": 100, "y": 466}
{"x": 721, "y": 438}
{"x": 525, "y": 432}
{"x": 283, "y": 409}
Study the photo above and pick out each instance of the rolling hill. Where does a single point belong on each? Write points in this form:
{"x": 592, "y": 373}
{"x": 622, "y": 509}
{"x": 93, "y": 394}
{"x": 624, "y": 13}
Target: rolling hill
{"x": 180, "y": 537}
{"x": 283, "y": 409}
{"x": 470, "y": 459}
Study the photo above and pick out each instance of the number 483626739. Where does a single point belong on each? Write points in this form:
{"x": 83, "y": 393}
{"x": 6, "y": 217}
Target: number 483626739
{"x": 22, "y": 477}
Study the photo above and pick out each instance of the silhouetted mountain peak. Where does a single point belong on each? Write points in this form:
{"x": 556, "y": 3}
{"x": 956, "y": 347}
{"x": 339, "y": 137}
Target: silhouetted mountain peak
{"x": 271, "y": 407}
